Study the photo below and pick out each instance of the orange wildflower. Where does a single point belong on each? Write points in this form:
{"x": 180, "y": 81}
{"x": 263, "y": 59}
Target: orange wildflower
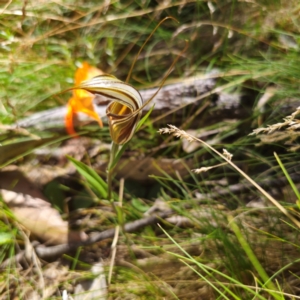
{"x": 82, "y": 100}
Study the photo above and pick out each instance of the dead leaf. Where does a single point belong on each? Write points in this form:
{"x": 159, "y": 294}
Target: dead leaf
{"x": 43, "y": 221}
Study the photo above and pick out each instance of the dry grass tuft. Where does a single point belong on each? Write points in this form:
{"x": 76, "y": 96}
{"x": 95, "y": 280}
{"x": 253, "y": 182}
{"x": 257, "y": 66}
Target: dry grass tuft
{"x": 283, "y": 131}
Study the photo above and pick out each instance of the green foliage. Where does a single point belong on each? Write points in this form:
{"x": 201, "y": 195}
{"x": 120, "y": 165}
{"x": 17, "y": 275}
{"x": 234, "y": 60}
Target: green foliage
{"x": 98, "y": 185}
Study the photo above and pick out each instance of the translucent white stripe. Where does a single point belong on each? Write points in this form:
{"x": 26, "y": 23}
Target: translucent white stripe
{"x": 114, "y": 88}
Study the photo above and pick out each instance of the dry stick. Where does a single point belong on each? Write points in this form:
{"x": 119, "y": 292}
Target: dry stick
{"x": 53, "y": 251}
{"x": 213, "y": 91}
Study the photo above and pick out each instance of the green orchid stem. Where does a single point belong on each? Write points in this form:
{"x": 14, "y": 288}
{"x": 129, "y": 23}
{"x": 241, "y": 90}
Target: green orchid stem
{"x": 113, "y": 153}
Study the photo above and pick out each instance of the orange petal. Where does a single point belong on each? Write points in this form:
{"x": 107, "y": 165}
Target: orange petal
{"x": 86, "y": 72}
{"x": 82, "y": 101}
{"x": 69, "y": 121}
{"x": 88, "y": 109}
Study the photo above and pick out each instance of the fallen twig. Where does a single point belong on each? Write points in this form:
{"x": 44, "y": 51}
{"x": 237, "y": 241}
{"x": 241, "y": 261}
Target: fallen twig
{"x": 54, "y": 251}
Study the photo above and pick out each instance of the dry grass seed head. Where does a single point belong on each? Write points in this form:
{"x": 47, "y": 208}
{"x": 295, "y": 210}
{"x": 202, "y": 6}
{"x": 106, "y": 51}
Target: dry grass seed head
{"x": 184, "y": 135}
{"x": 177, "y": 133}
{"x": 290, "y": 122}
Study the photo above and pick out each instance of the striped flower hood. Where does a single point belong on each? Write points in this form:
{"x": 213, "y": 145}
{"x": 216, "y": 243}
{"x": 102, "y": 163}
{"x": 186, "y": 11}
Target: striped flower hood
{"x": 125, "y": 108}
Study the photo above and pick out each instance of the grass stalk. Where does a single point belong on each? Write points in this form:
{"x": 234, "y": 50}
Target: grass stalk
{"x": 253, "y": 259}
{"x": 182, "y": 134}
{"x": 288, "y": 177}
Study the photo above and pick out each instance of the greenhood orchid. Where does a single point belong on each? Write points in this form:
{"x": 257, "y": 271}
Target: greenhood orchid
{"x": 125, "y": 109}
{"x": 123, "y": 112}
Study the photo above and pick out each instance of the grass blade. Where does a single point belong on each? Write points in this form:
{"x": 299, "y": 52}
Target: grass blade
{"x": 93, "y": 179}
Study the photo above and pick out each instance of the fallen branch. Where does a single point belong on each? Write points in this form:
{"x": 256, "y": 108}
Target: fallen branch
{"x": 171, "y": 98}
{"x": 54, "y": 251}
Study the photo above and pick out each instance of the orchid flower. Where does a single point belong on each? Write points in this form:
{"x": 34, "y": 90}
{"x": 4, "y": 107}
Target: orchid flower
{"x": 124, "y": 110}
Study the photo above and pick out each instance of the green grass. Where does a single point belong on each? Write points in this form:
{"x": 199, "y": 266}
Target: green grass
{"x": 254, "y": 45}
